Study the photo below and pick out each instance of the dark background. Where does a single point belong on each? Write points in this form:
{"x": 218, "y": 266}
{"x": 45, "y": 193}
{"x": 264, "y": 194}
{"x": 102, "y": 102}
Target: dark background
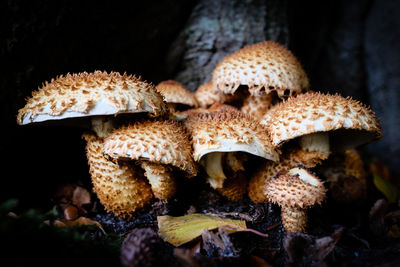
{"x": 350, "y": 47}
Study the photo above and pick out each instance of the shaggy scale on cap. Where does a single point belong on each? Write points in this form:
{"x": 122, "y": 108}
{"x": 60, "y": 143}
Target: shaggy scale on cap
{"x": 88, "y": 94}
{"x": 116, "y": 186}
{"x": 316, "y": 112}
{"x": 227, "y": 130}
{"x": 165, "y": 142}
{"x": 175, "y": 92}
{"x": 290, "y": 159}
{"x": 295, "y": 191}
{"x": 207, "y": 95}
{"x": 267, "y": 65}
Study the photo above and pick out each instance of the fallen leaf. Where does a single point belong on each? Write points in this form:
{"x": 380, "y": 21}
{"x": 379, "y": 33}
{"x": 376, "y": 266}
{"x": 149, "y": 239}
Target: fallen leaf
{"x": 80, "y": 196}
{"x": 81, "y": 221}
{"x": 390, "y": 191}
{"x": 180, "y": 230}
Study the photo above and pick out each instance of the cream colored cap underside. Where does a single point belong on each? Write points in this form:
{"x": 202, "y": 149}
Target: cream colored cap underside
{"x": 89, "y": 94}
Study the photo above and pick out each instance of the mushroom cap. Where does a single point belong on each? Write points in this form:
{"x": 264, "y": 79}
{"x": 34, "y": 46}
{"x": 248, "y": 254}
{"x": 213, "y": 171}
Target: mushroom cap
{"x": 207, "y": 95}
{"x": 158, "y": 141}
{"x": 175, "y": 92}
{"x": 257, "y": 106}
{"x": 88, "y": 94}
{"x": 267, "y": 65}
{"x": 228, "y": 130}
{"x": 297, "y": 188}
{"x": 291, "y": 158}
{"x": 118, "y": 187}
{"x": 316, "y": 112}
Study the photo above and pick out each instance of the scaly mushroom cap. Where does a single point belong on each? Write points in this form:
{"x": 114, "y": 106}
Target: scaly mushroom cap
{"x": 207, "y": 95}
{"x": 257, "y": 106}
{"x": 290, "y": 159}
{"x": 296, "y": 188}
{"x": 118, "y": 187}
{"x": 316, "y": 112}
{"x": 267, "y": 65}
{"x": 227, "y": 130}
{"x": 158, "y": 141}
{"x": 175, "y": 92}
{"x": 88, "y": 94}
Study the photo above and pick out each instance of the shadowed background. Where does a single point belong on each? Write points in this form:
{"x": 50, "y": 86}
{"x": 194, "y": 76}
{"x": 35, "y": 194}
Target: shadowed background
{"x": 350, "y": 47}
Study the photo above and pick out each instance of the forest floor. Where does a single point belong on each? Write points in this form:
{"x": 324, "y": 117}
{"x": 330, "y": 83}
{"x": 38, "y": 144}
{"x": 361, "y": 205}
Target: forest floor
{"x": 77, "y": 231}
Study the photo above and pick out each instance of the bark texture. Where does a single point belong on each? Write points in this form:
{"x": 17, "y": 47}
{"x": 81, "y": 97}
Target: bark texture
{"x": 216, "y": 29}
{"x": 382, "y": 56}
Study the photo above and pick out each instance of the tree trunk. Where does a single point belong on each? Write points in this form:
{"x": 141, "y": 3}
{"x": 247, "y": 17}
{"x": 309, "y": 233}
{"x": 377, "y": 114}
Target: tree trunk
{"x": 216, "y": 29}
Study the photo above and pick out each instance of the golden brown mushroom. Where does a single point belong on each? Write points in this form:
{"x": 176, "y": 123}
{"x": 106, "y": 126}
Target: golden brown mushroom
{"x": 219, "y": 137}
{"x": 158, "y": 145}
{"x": 95, "y": 95}
{"x": 266, "y": 65}
{"x": 208, "y": 95}
{"x": 319, "y": 123}
{"x": 176, "y": 95}
{"x": 295, "y": 191}
{"x": 323, "y": 122}
{"x": 99, "y": 97}
{"x": 118, "y": 186}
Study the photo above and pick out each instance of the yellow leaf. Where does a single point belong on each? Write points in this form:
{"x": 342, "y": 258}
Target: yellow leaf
{"x": 180, "y": 230}
{"x": 389, "y": 190}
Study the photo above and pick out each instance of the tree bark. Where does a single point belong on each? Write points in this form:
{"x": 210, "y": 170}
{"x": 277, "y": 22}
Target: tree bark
{"x": 217, "y": 28}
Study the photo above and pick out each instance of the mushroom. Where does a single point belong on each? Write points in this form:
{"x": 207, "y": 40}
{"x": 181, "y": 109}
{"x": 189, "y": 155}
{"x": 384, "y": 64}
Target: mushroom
{"x": 157, "y": 145}
{"x": 118, "y": 186}
{"x": 320, "y": 124}
{"x": 295, "y": 191}
{"x": 176, "y": 95}
{"x": 290, "y": 158}
{"x": 219, "y": 136}
{"x": 323, "y": 122}
{"x": 94, "y": 100}
{"x": 96, "y": 95}
{"x": 266, "y": 65}
{"x": 208, "y": 95}
{"x": 258, "y": 106}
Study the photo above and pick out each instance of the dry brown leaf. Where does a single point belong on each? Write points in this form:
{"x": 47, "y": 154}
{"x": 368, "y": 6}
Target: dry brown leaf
{"x": 78, "y": 222}
{"x": 80, "y": 196}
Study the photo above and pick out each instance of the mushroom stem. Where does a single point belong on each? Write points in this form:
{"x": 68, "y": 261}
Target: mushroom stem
{"x": 235, "y": 187}
{"x": 102, "y": 126}
{"x": 212, "y": 163}
{"x": 234, "y": 162}
{"x": 315, "y": 142}
{"x": 161, "y": 179}
{"x": 294, "y": 219}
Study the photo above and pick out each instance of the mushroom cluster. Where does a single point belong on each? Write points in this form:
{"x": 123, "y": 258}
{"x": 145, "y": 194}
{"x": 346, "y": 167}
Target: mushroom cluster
{"x": 255, "y": 129}
{"x": 268, "y": 85}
